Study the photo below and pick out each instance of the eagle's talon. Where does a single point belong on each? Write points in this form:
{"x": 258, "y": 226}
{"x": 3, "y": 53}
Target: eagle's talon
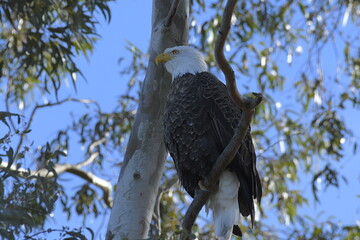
{"x": 203, "y": 187}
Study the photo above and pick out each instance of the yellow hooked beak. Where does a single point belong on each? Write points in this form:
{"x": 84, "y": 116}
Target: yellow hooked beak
{"x": 161, "y": 58}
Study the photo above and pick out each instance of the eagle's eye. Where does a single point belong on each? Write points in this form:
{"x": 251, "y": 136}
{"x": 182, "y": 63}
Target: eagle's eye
{"x": 175, "y": 52}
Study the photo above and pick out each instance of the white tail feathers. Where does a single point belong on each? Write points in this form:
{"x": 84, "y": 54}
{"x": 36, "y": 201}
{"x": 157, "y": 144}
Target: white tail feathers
{"x": 225, "y": 207}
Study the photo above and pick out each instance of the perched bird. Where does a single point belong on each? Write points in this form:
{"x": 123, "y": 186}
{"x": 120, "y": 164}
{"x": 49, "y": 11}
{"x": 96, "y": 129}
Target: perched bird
{"x": 199, "y": 121}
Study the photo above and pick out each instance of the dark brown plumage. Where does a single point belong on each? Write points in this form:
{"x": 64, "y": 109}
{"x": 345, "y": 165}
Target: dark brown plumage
{"x": 199, "y": 121}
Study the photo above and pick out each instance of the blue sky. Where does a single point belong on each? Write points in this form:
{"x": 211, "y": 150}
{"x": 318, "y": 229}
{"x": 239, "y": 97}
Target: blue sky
{"x": 131, "y": 21}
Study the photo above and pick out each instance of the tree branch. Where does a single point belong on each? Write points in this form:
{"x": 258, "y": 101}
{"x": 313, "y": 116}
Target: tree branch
{"x": 75, "y": 169}
{"x": 242, "y": 101}
{"x": 85, "y": 101}
{"x": 223, "y": 160}
{"x": 170, "y": 17}
{"x": 156, "y": 215}
{"x": 31, "y": 118}
{"x": 104, "y": 185}
{"x": 90, "y": 151}
{"x": 246, "y": 103}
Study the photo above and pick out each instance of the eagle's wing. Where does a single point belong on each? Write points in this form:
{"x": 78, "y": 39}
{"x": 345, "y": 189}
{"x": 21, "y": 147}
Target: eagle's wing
{"x": 187, "y": 131}
{"x": 225, "y": 116}
{"x": 199, "y": 122}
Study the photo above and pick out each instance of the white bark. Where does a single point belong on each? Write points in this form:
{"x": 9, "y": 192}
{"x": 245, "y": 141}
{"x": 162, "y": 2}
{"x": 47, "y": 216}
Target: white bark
{"x": 140, "y": 175}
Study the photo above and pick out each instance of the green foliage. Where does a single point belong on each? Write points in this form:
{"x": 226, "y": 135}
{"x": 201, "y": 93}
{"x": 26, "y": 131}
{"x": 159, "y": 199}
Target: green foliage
{"x": 26, "y": 199}
{"x": 38, "y": 41}
{"x": 65, "y": 233}
{"x": 84, "y": 200}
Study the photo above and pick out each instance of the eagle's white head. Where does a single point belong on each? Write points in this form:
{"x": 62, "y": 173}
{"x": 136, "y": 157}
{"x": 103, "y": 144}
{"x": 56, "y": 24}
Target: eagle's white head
{"x": 182, "y": 59}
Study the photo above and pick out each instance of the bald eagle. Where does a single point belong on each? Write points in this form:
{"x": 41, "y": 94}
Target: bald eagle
{"x": 199, "y": 120}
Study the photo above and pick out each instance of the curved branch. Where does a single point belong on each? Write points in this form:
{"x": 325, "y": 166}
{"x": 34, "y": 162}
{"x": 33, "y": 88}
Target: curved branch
{"x": 220, "y": 57}
{"x": 75, "y": 169}
{"x": 85, "y": 101}
{"x": 104, "y": 185}
{"x": 201, "y": 196}
{"x": 93, "y": 155}
{"x": 242, "y": 101}
{"x": 246, "y": 103}
{"x": 31, "y": 118}
{"x": 156, "y": 215}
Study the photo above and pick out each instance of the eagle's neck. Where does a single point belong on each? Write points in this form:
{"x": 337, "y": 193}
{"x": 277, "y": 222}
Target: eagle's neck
{"x": 186, "y": 65}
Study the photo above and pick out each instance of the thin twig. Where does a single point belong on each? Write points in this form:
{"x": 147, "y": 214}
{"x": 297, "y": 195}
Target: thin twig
{"x": 90, "y": 151}
{"x": 170, "y": 17}
{"x": 161, "y": 191}
{"x": 7, "y": 98}
{"x": 85, "y": 101}
{"x": 33, "y": 112}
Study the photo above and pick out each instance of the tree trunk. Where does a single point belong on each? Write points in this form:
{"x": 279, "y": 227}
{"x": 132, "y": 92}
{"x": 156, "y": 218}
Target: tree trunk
{"x": 143, "y": 165}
